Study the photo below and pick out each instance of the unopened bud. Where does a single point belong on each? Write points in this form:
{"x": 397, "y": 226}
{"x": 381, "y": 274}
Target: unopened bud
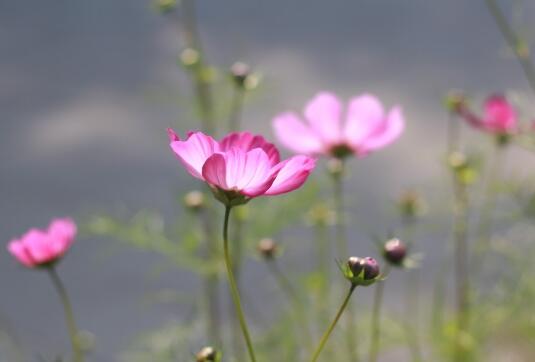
{"x": 395, "y": 251}
{"x": 457, "y": 160}
{"x": 239, "y": 72}
{"x": 455, "y": 101}
{"x": 335, "y": 166}
{"x": 267, "y": 248}
{"x": 362, "y": 271}
{"x": 411, "y": 204}
{"x": 194, "y": 200}
{"x": 189, "y": 57}
{"x": 207, "y": 354}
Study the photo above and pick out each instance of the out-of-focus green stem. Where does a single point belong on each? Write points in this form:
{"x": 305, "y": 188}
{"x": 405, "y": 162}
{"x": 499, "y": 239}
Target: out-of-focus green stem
{"x": 234, "y": 288}
{"x": 342, "y": 250}
{"x": 326, "y": 335}
{"x": 460, "y": 236}
{"x": 77, "y": 354}
{"x": 203, "y": 91}
{"x": 236, "y": 108}
{"x": 376, "y": 317}
{"x": 237, "y": 261}
{"x": 514, "y": 41}
{"x": 294, "y": 298}
{"x": 211, "y": 281}
{"x": 323, "y": 259}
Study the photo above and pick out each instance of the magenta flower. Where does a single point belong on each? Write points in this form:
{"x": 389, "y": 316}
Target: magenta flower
{"x": 44, "y": 247}
{"x": 366, "y": 127}
{"x": 499, "y": 116}
{"x": 241, "y": 166}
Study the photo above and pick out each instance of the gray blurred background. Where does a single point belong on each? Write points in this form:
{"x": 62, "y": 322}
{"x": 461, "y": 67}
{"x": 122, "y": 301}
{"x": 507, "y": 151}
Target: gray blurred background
{"x": 89, "y": 87}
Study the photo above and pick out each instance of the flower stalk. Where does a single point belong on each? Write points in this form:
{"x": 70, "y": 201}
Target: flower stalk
{"x": 233, "y": 287}
{"x": 69, "y": 315}
{"x": 327, "y": 334}
{"x": 376, "y": 317}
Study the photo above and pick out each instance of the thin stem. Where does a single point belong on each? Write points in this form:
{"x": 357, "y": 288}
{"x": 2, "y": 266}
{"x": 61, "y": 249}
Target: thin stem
{"x": 342, "y": 250}
{"x": 293, "y": 297}
{"x": 376, "y": 317}
{"x": 191, "y": 39}
{"x": 325, "y": 337}
{"x": 234, "y": 289}
{"x": 460, "y": 236}
{"x": 211, "y": 280}
{"x": 323, "y": 258}
{"x": 237, "y": 260}
{"x": 236, "y": 109}
{"x": 514, "y": 41}
{"x": 69, "y": 315}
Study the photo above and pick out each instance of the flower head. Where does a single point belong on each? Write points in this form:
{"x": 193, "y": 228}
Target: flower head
{"x": 499, "y": 116}
{"x": 44, "y": 247}
{"x": 366, "y": 127}
{"x": 207, "y": 354}
{"x": 241, "y": 166}
{"x": 361, "y": 271}
{"x": 395, "y": 251}
{"x": 267, "y": 248}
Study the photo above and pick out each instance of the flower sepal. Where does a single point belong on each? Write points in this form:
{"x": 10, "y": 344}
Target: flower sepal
{"x": 229, "y": 198}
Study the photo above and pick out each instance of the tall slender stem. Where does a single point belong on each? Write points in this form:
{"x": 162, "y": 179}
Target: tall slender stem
{"x": 376, "y": 317}
{"x": 191, "y": 39}
{"x": 234, "y": 289}
{"x": 69, "y": 315}
{"x": 237, "y": 260}
{"x": 211, "y": 280}
{"x": 236, "y": 108}
{"x": 460, "y": 238}
{"x": 342, "y": 250}
{"x": 293, "y": 297}
{"x": 513, "y": 40}
{"x": 325, "y": 337}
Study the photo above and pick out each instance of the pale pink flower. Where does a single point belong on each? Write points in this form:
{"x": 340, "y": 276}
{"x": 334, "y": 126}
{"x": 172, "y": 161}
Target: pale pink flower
{"x": 329, "y": 130}
{"x": 240, "y": 166}
{"x": 44, "y": 247}
{"x": 499, "y": 116}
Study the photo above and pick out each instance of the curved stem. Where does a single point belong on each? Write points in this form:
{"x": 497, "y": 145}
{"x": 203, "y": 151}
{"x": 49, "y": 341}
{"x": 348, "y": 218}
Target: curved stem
{"x": 234, "y": 289}
{"x": 376, "y": 317}
{"x": 342, "y": 251}
{"x": 69, "y": 315}
{"x": 293, "y": 297}
{"x": 325, "y": 337}
{"x": 513, "y": 40}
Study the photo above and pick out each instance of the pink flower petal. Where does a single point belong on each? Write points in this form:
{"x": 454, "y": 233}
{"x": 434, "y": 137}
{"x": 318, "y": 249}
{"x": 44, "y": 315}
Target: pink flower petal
{"x": 194, "y": 151}
{"x": 324, "y": 114}
{"x": 247, "y": 141}
{"x": 291, "y": 174}
{"x": 61, "y": 233}
{"x": 500, "y": 116}
{"x": 214, "y": 171}
{"x": 172, "y": 135}
{"x": 295, "y": 135}
{"x": 17, "y": 249}
{"x": 38, "y": 245}
{"x": 364, "y": 115}
{"x": 386, "y": 133}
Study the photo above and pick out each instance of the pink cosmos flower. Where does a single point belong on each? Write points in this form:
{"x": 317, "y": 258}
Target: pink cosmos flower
{"x": 499, "y": 116}
{"x": 44, "y": 247}
{"x": 241, "y": 166}
{"x": 328, "y": 130}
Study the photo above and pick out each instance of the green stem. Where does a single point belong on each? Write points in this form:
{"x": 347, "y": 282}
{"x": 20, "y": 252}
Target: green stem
{"x": 237, "y": 261}
{"x": 293, "y": 297}
{"x": 203, "y": 92}
{"x": 211, "y": 280}
{"x": 342, "y": 250}
{"x": 69, "y": 315}
{"x": 234, "y": 289}
{"x": 376, "y": 317}
{"x": 325, "y": 337}
{"x": 513, "y": 40}
{"x": 236, "y": 109}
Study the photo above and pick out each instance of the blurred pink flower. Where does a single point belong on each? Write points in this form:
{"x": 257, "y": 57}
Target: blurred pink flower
{"x": 499, "y": 116}
{"x": 44, "y": 247}
{"x": 366, "y": 126}
{"x": 241, "y": 166}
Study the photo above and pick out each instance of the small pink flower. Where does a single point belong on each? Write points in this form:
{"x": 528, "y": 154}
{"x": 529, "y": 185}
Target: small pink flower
{"x": 499, "y": 116}
{"x": 241, "y": 166}
{"x": 366, "y": 127}
{"x": 43, "y": 247}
